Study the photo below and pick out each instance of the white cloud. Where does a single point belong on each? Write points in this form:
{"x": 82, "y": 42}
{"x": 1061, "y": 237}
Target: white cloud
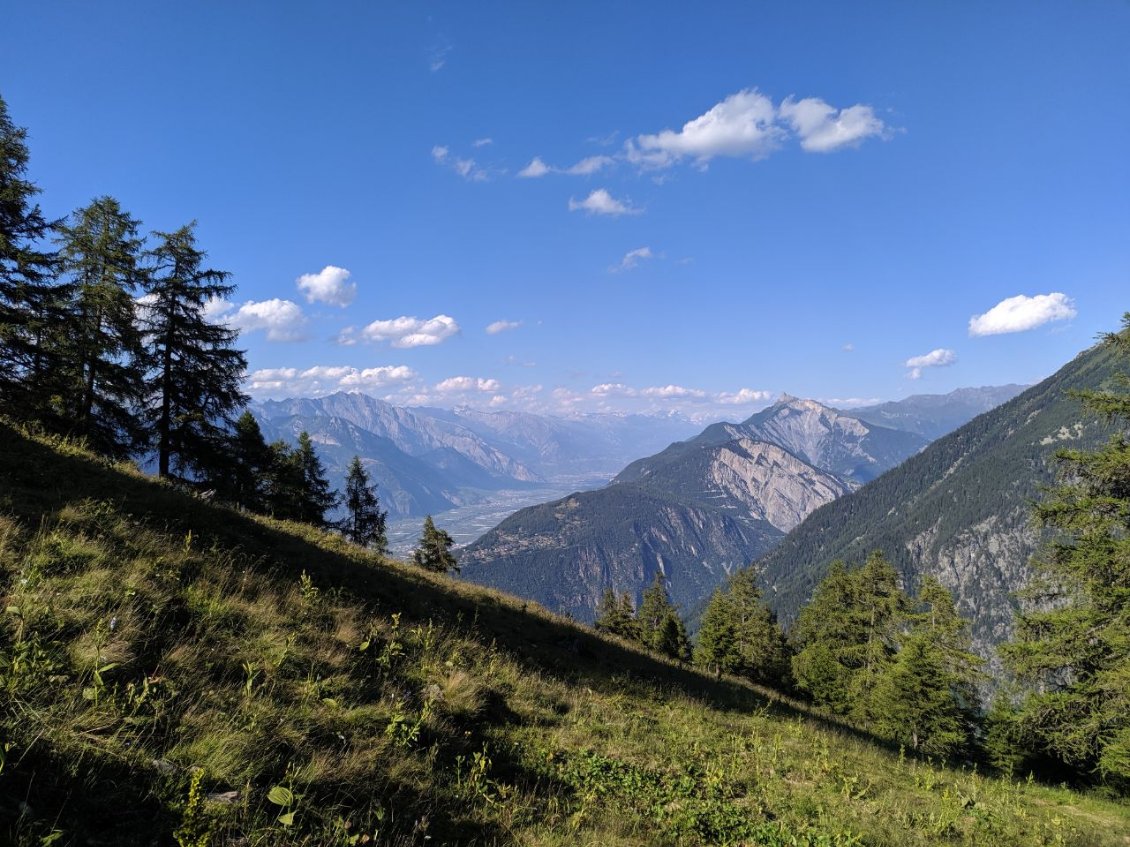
{"x": 613, "y": 389}
{"x": 600, "y": 202}
{"x": 329, "y": 285}
{"x": 822, "y": 129}
{"x": 848, "y": 348}
{"x": 466, "y": 168}
{"x": 632, "y": 258}
{"x": 742, "y": 125}
{"x": 468, "y": 383}
{"x": 502, "y": 326}
{"x": 482, "y": 142}
{"x": 939, "y": 358}
{"x": 534, "y": 169}
{"x": 589, "y": 165}
{"x": 743, "y": 396}
{"x": 1020, "y": 313}
{"x": 281, "y": 319}
{"x": 668, "y": 391}
{"x": 404, "y": 331}
{"x": 324, "y": 379}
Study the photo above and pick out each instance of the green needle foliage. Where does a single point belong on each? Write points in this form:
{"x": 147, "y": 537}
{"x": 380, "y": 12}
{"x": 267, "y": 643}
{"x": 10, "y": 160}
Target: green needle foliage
{"x": 660, "y": 626}
{"x": 30, "y": 298}
{"x": 103, "y": 359}
{"x": 196, "y": 372}
{"x": 364, "y": 522}
{"x": 433, "y": 552}
{"x": 1072, "y": 646}
{"x": 740, "y": 635}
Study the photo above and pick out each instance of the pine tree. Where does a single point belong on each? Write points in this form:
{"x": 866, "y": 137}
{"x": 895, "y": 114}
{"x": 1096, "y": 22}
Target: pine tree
{"x": 364, "y": 522}
{"x": 1072, "y": 647}
{"x": 927, "y": 698}
{"x": 196, "y": 374}
{"x": 102, "y": 356}
{"x": 31, "y": 316}
{"x": 616, "y": 615}
{"x": 847, "y": 636}
{"x": 433, "y": 552}
{"x": 283, "y": 483}
{"x": 658, "y": 623}
{"x": 740, "y": 634}
{"x": 248, "y": 481}
{"x": 315, "y": 496}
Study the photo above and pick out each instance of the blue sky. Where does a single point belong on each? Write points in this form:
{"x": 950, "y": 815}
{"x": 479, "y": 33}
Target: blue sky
{"x": 805, "y": 197}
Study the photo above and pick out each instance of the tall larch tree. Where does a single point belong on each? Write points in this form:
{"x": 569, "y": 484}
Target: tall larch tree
{"x": 30, "y": 299}
{"x": 194, "y": 382}
{"x": 1072, "y": 644}
{"x": 104, "y": 361}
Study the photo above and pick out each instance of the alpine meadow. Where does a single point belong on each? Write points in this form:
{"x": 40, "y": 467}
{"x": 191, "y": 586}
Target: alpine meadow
{"x": 501, "y": 424}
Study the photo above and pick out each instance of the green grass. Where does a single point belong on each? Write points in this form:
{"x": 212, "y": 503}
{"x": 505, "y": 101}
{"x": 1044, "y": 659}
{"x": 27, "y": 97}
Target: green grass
{"x": 175, "y": 673}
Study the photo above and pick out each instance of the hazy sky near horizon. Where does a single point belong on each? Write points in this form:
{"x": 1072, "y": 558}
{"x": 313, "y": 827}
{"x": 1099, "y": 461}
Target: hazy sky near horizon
{"x": 610, "y": 205}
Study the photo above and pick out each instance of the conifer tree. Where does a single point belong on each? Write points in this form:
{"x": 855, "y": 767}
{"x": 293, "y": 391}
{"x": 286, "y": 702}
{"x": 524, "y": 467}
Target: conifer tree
{"x": 31, "y": 314}
{"x": 248, "y": 481}
{"x": 195, "y": 379}
{"x": 283, "y": 482}
{"x": 927, "y": 697}
{"x": 659, "y": 625}
{"x": 1072, "y": 646}
{"x": 616, "y": 615}
{"x": 315, "y": 497}
{"x": 364, "y": 522}
{"x": 433, "y": 552}
{"x": 102, "y": 357}
{"x": 740, "y": 634}
{"x": 847, "y": 635}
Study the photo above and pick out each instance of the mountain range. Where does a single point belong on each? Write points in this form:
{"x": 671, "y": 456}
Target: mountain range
{"x": 428, "y": 461}
{"x": 694, "y": 512}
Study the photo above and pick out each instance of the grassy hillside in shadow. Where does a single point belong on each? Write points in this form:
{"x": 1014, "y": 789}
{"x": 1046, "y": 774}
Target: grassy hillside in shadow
{"x": 174, "y": 672}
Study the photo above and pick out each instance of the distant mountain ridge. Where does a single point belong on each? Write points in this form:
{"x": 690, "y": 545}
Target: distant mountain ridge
{"x": 933, "y": 415}
{"x": 695, "y": 512}
{"x": 428, "y": 461}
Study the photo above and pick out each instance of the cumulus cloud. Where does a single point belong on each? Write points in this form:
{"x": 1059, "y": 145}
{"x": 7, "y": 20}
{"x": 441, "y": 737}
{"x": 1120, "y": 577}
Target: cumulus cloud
{"x": 822, "y": 128}
{"x": 748, "y": 125}
{"x": 325, "y": 379}
{"x": 743, "y": 125}
{"x": 329, "y": 285}
{"x": 632, "y": 259}
{"x": 282, "y": 320}
{"x": 1021, "y": 313}
{"x": 600, "y": 202}
{"x": 743, "y": 397}
{"x": 667, "y": 391}
{"x": 534, "y": 169}
{"x": 468, "y": 383}
{"x": 939, "y": 358}
{"x": 404, "y": 331}
{"x": 502, "y": 326}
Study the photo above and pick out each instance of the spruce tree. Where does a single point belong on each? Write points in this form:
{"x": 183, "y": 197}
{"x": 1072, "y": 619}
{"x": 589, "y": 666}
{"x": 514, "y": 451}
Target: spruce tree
{"x": 740, "y": 634}
{"x": 102, "y": 356}
{"x": 31, "y": 314}
{"x": 927, "y": 697}
{"x": 315, "y": 497}
{"x": 433, "y": 552}
{"x": 364, "y": 522}
{"x": 196, "y": 373}
{"x": 847, "y": 635}
{"x": 247, "y": 483}
{"x": 660, "y": 627}
{"x": 283, "y": 482}
{"x": 1072, "y": 645}
{"x": 616, "y": 615}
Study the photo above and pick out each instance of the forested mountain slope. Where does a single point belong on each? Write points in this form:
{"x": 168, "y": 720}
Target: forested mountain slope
{"x": 959, "y": 510}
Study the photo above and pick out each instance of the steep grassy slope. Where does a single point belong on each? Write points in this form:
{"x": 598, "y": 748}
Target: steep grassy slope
{"x": 176, "y": 673}
{"x": 959, "y": 510}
